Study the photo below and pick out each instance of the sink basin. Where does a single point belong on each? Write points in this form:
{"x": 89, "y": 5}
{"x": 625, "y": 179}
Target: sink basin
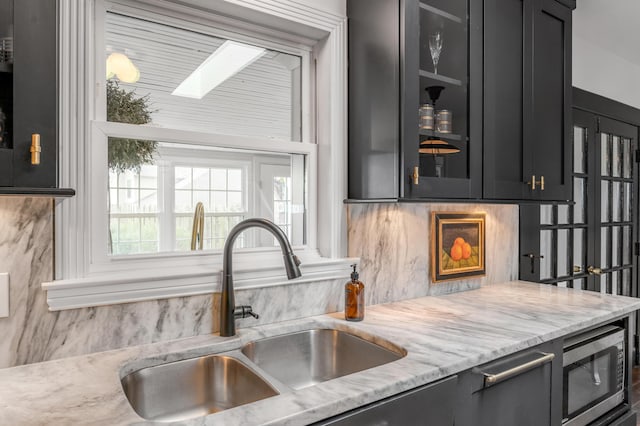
{"x": 306, "y": 358}
{"x": 193, "y": 387}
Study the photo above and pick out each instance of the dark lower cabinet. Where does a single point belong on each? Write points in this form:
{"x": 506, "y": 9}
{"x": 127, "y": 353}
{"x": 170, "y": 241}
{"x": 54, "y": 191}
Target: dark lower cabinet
{"x": 523, "y": 389}
{"x": 429, "y": 405}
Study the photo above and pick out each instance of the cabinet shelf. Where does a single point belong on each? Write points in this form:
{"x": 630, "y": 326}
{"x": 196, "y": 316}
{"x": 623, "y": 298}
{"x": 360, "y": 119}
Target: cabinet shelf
{"x": 441, "y": 13}
{"x": 7, "y": 68}
{"x": 440, "y": 77}
{"x": 449, "y": 136}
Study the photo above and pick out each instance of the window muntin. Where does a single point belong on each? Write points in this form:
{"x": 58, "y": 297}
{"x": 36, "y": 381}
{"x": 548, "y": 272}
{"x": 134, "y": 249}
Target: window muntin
{"x": 262, "y": 99}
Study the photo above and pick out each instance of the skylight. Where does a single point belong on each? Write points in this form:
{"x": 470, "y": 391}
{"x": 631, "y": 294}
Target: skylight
{"x": 226, "y": 61}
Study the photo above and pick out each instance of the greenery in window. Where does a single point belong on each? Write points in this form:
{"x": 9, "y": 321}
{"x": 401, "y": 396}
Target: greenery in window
{"x": 125, "y": 107}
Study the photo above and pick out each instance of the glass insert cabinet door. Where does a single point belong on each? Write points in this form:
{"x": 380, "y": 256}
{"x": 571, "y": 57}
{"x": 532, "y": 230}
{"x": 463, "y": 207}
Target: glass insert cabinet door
{"x": 589, "y": 244}
{"x": 437, "y": 130}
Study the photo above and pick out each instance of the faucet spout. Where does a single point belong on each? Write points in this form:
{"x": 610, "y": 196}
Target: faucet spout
{"x": 197, "y": 232}
{"x": 227, "y": 300}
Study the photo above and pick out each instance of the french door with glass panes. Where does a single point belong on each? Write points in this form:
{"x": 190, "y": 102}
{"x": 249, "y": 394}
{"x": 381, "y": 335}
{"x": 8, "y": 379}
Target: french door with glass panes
{"x": 590, "y": 244}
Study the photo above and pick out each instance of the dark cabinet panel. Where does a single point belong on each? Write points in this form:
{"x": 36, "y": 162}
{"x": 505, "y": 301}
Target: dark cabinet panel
{"x": 34, "y": 91}
{"x": 504, "y": 124}
{"x": 551, "y": 148}
{"x": 374, "y": 99}
{"x": 527, "y": 390}
{"x": 432, "y": 404}
{"x": 527, "y": 100}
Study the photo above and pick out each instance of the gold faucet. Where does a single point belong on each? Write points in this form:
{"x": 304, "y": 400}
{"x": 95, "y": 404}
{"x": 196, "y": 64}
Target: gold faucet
{"x": 197, "y": 234}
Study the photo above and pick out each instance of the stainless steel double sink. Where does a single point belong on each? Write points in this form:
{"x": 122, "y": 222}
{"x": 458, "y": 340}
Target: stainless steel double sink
{"x": 263, "y": 368}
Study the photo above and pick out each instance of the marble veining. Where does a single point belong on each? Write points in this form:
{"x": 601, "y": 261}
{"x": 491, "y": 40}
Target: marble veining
{"x": 442, "y": 335}
{"x": 391, "y": 239}
{"x": 393, "y": 242}
{"x": 33, "y": 334}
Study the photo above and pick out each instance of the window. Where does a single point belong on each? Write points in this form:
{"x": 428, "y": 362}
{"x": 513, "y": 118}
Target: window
{"x": 246, "y": 142}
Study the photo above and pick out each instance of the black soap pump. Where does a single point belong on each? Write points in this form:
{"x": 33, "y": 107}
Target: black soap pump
{"x": 354, "y": 297}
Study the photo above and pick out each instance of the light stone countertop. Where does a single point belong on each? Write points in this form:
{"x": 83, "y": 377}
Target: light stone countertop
{"x": 442, "y": 335}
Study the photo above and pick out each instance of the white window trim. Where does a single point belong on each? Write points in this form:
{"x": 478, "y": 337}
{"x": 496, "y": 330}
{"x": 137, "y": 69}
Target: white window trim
{"x": 85, "y": 283}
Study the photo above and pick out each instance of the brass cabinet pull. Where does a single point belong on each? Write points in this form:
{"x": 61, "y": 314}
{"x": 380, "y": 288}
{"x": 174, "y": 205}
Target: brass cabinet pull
{"x": 577, "y": 269}
{"x": 415, "y": 176}
{"x": 533, "y": 182}
{"x": 35, "y": 149}
{"x": 592, "y": 270}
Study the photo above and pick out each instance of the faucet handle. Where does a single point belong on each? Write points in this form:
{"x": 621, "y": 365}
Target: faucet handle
{"x": 296, "y": 260}
{"x": 244, "y": 311}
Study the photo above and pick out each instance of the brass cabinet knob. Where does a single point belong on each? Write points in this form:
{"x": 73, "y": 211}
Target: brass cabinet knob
{"x": 35, "y": 149}
{"x": 592, "y": 270}
{"x": 415, "y": 176}
{"x": 577, "y": 269}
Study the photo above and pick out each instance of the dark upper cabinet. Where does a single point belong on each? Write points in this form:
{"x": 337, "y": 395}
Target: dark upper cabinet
{"x": 392, "y": 46}
{"x": 504, "y": 67}
{"x": 374, "y": 98}
{"x": 29, "y": 95}
{"x": 527, "y": 100}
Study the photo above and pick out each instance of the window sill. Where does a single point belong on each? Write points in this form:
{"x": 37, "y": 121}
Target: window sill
{"x": 141, "y": 286}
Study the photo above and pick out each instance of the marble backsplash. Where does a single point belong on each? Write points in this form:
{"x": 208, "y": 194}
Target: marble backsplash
{"x": 391, "y": 239}
{"x": 33, "y": 334}
{"x": 393, "y": 243}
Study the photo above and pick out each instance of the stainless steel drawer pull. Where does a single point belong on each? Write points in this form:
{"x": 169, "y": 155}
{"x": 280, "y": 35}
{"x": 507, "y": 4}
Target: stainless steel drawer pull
{"x": 492, "y": 379}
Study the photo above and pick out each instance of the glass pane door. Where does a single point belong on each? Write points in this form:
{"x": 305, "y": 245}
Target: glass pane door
{"x": 614, "y": 225}
{"x": 444, "y": 77}
{"x": 589, "y": 244}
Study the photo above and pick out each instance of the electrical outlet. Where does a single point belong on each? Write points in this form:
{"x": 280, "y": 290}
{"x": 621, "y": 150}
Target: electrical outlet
{"x": 4, "y": 295}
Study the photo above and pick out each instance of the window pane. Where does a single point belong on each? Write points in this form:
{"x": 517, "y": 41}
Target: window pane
{"x": 546, "y": 238}
{"x": 563, "y": 214}
{"x": 605, "y": 246}
{"x": 627, "y": 155}
{"x": 152, "y": 205}
{"x": 605, "y": 158}
{"x": 579, "y": 255}
{"x": 616, "y": 201}
{"x": 604, "y": 201}
{"x": 176, "y": 78}
{"x": 626, "y": 245}
{"x": 579, "y": 149}
{"x": 563, "y": 252}
{"x": 616, "y": 157}
{"x": 579, "y": 199}
{"x": 615, "y": 246}
{"x": 546, "y": 214}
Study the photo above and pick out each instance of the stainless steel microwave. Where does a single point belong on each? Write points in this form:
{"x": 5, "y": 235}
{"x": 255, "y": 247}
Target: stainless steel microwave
{"x": 593, "y": 375}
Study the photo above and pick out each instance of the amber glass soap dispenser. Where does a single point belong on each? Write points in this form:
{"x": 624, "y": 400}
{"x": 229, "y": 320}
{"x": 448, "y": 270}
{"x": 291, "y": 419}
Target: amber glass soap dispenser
{"x": 354, "y": 298}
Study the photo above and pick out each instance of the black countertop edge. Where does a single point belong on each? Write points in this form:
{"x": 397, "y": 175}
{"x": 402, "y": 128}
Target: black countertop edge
{"x": 451, "y": 200}
{"x": 37, "y": 192}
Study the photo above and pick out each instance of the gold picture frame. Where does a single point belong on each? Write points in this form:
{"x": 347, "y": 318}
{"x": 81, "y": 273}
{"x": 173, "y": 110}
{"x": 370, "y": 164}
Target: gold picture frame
{"x": 457, "y": 245}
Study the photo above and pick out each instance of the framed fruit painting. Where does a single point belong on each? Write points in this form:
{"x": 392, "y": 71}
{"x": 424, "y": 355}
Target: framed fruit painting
{"x": 457, "y": 245}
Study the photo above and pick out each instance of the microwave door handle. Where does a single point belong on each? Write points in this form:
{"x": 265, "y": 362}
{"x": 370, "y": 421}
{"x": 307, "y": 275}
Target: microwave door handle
{"x": 595, "y": 375}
